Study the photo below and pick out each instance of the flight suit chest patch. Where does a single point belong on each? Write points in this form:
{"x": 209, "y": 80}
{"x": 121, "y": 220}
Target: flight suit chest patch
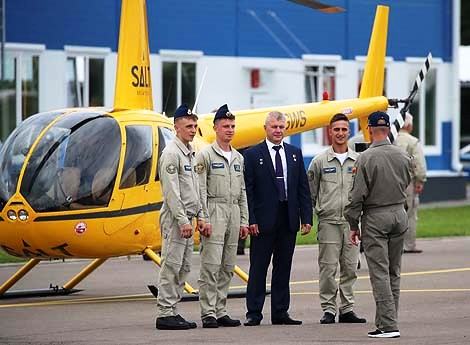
{"x": 236, "y": 167}
{"x": 350, "y": 170}
{"x": 188, "y": 168}
{"x": 331, "y": 170}
{"x": 217, "y": 165}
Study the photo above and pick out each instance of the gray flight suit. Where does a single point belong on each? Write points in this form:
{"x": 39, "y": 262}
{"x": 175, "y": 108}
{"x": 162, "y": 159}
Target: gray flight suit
{"x": 382, "y": 174}
{"x": 180, "y": 191}
{"x": 223, "y": 200}
{"x": 330, "y": 183}
{"x": 411, "y": 145}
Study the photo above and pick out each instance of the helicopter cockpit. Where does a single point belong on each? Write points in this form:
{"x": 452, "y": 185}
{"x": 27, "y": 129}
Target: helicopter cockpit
{"x": 73, "y": 166}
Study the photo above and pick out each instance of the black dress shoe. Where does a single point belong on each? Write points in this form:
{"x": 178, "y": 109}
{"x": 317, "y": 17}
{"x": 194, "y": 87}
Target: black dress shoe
{"x": 412, "y": 251}
{"x": 209, "y": 322}
{"x": 327, "y": 318}
{"x": 191, "y": 324}
{"x": 286, "y": 321}
{"x": 227, "y": 321}
{"x": 252, "y": 322}
{"x": 171, "y": 323}
{"x": 350, "y": 317}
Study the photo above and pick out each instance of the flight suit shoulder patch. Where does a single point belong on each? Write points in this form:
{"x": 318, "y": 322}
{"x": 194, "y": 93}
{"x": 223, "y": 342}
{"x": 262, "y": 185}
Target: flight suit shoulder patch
{"x": 200, "y": 168}
{"x": 330, "y": 170}
{"x": 171, "y": 168}
{"x": 310, "y": 175}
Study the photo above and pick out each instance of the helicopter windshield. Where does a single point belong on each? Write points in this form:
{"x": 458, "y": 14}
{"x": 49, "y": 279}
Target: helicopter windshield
{"x": 15, "y": 150}
{"x": 74, "y": 165}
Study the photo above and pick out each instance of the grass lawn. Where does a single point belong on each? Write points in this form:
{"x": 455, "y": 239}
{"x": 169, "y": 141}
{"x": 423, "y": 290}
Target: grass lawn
{"x": 433, "y": 222}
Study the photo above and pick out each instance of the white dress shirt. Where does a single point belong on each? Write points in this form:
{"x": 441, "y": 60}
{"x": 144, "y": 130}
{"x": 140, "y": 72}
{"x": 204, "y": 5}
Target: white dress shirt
{"x": 282, "y": 152}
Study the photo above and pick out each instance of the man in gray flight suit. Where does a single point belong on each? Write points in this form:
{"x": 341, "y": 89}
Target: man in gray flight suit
{"x": 223, "y": 198}
{"x": 411, "y": 145}
{"x": 381, "y": 175}
{"x": 330, "y": 179}
{"x": 181, "y": 204}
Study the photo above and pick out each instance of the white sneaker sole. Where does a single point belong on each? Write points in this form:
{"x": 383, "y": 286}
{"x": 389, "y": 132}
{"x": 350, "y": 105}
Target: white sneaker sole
{"x": 385, "y": 335}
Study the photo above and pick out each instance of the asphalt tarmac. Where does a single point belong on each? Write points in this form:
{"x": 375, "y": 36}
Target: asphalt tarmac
{"x": 116, "y": 307}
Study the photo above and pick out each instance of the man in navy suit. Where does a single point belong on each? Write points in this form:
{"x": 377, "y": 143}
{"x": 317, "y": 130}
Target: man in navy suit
{"x": 278, "y": 199}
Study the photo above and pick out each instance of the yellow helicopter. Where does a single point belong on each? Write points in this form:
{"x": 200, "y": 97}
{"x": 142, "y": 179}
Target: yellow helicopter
{"x": 83, "y": 182}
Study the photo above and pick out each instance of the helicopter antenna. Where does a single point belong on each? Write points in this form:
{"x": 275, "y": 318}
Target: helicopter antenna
{"x": 167, "y": 98}
{"x": 199, "y": 91}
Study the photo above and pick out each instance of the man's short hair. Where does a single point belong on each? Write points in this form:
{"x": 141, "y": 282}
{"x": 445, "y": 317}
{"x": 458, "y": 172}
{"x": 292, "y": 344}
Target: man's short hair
{"x": 276, "y": 115}
{"x": 338, "y": 117}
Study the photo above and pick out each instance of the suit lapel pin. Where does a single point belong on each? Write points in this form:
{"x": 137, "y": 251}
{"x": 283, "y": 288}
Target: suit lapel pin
{"x": 295, "y": 157}
{"x": 261, "y": 161}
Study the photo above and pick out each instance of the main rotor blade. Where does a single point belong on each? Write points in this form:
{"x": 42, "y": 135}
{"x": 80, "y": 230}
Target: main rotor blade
{"x": 400, "y": 120}
{"x": 317, "y": 5}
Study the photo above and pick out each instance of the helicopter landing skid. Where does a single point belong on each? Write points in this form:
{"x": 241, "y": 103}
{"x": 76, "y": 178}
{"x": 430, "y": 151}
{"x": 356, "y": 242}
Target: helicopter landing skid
{"x": 52, "y": 291}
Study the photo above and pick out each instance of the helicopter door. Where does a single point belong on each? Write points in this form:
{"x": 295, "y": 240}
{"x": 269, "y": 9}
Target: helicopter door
{"x": 165, "y": 136}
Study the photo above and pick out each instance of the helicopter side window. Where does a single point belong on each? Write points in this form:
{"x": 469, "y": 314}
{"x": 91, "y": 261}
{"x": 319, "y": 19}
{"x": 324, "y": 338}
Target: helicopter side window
{"x": 138, "y": 160}
{"x": 165, "y": 136}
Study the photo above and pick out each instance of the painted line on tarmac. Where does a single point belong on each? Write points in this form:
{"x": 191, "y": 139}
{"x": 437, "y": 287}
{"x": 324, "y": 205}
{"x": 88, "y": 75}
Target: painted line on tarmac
{"x": 401, "y": 291}
{"x": 145, "y": 297}
{"x": 407, "y": 274}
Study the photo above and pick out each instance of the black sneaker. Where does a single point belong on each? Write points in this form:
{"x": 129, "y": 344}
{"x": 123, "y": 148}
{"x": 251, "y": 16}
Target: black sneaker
{"x": 190, "y": 323}
{"x": 384, "y": 334}
{"x": 327, "y": 318}
{"x": 227, "y": 321}
{"x": 209, "y": 322}
{"x": 350, "y": 317}
{"x": 171, "y": 323}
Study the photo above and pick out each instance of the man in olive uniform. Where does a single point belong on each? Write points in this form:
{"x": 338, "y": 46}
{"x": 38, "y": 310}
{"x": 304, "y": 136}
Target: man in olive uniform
{"x": 330, "y": 179}
{"x": 223, "y": 198}
{"x": 181, "y": 204}
{"x": 382, "y": 174}
{"x": 411, "y": 145}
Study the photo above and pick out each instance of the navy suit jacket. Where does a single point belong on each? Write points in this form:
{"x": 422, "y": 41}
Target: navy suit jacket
{"x": 261, "y": 190}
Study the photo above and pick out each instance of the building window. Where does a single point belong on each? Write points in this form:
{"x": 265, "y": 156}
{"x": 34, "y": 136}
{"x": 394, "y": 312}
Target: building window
{"x": 19, "y": 90}
{"x": 85, "y": 81}
{"x": 179, "y": 68}
{"x": 179, "y": 85}
{"x": 318, "y": 79}
{"x": 423, "y": 108}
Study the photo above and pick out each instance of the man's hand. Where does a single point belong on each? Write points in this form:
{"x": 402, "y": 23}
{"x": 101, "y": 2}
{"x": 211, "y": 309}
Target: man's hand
{"x": 355, "y": 236}
{"x": 254, "y": 230}
{"x": 419, "y": 188}
{"x": 243, "y": 232}
{"x": 207, "y": 231}
{"x": 200, "y": 225}
{"x": 186, "y": 230}
{"x": 305, "y": 229}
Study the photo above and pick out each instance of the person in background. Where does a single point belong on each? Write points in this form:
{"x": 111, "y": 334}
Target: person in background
{"x": 412, "y": 146}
